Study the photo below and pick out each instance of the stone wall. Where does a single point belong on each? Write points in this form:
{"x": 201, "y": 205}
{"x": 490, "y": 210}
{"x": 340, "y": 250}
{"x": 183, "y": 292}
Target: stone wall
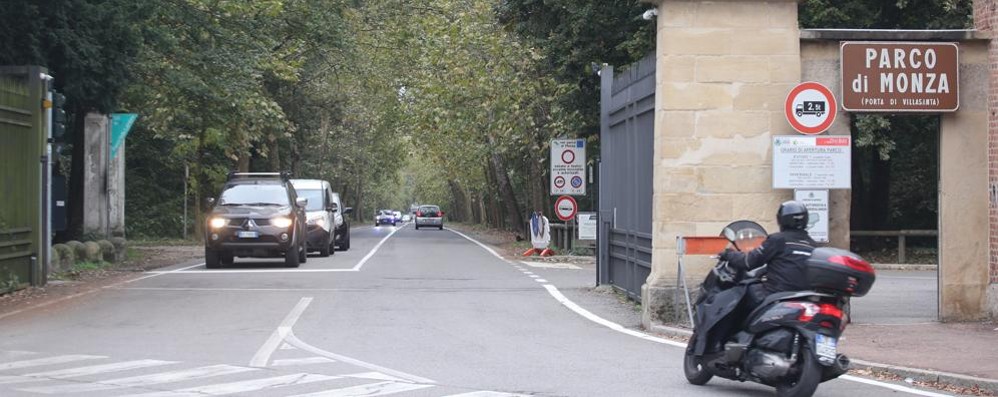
{"x": 986, "y": 22}
{"x": 724, "y": 71}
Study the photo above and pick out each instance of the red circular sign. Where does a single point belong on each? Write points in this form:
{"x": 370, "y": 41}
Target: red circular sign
{"x": 565, "y": 208}
{"x": 567, "y": 156}
{"x": 810, "y": 108}
{"x": 559, "y": 181}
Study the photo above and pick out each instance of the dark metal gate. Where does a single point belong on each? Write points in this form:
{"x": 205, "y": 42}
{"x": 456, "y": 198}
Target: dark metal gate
{"x": 627, "y": 149}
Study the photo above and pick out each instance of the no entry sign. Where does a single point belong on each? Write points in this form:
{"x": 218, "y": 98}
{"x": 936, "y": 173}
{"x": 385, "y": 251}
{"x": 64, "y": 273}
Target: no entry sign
{"x": 565, "y": 208}
{"x": 810, "y": 108}
{"x": 568, "y": 167}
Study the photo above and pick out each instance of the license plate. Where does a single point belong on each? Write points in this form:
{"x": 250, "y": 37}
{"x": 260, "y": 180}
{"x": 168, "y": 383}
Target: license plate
{"x": 248, "y": 234}
{"x": 826, "y": 346}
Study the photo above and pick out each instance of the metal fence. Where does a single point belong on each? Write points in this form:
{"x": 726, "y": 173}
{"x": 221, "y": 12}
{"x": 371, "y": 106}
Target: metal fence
{"x": 627, "y": 142}
{"x": 901, "y": 236}
{"x": 22, "y": 142}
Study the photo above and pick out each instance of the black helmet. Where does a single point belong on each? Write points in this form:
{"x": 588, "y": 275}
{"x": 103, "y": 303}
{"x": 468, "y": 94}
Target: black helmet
{"x": 792, "y": 215}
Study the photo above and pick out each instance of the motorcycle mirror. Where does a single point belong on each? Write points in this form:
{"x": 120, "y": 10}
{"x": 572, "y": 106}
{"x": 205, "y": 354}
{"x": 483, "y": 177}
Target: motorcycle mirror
{"x": 730, "y": 234}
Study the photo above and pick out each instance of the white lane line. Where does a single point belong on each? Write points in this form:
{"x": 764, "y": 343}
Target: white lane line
{"x": 294, "y": 341}
{"x": 246, "y": 386}
{"x": 376, "y": 376}
{"x": 241, "y": 289}
{"x": 86, "y": 371}
{"x": 892, "y": 386}
{"x": 262, "y": 356}
{"x": 143, "y": 380}
{"x": 372, "y": 389}
{"x": 487, "y": 394}
{"x": 242, "y": 271}
{"x": 38, "y": 362}
{"x": 301, "y": 361}
{"x": 541, "y": 280}
{"x": 534, "y": 276}
{"x": 156, "y": 273}
{"x": 373, "y": 250}
{"x": 485, "y": 247}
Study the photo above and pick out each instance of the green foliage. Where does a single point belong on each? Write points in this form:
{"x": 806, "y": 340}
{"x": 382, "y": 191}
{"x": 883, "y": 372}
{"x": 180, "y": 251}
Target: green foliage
{"x": 9, "y": 283}
{"x": 63, "y": 256}
{"x": 886, "y": 14}
{"x": 91, "y": 252}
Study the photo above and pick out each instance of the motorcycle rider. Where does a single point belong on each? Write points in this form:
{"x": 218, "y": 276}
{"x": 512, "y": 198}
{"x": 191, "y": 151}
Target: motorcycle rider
{"x": 785, "y": 252}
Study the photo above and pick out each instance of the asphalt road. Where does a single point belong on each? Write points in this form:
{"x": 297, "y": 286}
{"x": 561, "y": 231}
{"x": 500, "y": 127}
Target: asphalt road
{"x": 404, "y": 312}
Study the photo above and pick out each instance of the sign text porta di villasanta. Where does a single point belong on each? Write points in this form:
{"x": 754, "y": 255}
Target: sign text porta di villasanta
{"x": 900, "y": 77}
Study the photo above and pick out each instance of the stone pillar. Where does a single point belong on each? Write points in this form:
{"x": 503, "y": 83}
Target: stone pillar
{"x": 116, "y": 194}
{"x": 724, "y": 70}
{"x": 986, "y": 22}
{"x": 96, "y": 150}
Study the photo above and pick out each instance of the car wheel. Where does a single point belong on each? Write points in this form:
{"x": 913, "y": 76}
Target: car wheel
{"x": 212, "y": 259}
{"x": 303, "y": 254}
{"x": 227, "y": 258}
{"x": 291, "y": 258}
{"x": 345, "y": 244}
{"x": 325, "y": 251}
{"x": 441, "y": 227}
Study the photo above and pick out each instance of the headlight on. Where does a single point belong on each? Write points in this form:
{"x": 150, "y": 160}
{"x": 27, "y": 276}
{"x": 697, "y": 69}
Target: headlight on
{"x": 218, "y": 223}
{"x": 321, "y": 222}
{"x": 281, "y": 221}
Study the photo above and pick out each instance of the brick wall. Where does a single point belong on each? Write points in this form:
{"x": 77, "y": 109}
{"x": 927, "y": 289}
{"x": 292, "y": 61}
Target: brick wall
{"x": 986, "y": 20}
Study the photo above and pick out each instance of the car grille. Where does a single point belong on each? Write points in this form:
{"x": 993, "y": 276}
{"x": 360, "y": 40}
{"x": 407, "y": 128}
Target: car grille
{"x": 240, "y": 222}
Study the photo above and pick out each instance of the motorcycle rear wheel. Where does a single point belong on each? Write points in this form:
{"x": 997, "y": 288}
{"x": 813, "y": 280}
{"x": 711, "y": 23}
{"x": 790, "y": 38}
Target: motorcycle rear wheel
{"x": 695, "y": 372}
{"x": 807, "y": 382}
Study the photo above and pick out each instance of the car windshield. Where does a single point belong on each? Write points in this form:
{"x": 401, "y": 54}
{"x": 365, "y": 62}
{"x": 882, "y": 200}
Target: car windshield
{"x": 314, "y": 197}
{"x": 429, "y": 209}
{"x": 387, "y": 212}
{"x": 262, "y": 195}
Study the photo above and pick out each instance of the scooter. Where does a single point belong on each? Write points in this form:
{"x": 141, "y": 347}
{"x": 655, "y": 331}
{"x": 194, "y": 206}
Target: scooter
{"x": 790, "y": 341}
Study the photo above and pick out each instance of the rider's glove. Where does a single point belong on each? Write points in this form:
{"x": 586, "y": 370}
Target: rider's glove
{"x": 726, "y": 255}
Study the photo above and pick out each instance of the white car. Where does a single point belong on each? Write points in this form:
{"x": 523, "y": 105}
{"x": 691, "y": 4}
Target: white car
{"x": 429, "y": 215}
{"x": 406, "y": 218}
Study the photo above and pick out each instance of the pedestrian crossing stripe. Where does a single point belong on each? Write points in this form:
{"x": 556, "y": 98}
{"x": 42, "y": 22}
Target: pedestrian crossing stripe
{"x": 385, "y": 384}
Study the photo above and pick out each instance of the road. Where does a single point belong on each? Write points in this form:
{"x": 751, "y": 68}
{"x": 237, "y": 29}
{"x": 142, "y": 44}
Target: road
{"x": 404, "y": 312}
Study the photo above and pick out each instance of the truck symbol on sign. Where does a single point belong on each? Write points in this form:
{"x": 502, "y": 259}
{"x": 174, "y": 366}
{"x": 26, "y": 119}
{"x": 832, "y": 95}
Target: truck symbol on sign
{"x": 816, "y": 108}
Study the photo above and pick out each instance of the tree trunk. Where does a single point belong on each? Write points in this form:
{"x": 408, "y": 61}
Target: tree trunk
{"x": 514, "y": 220}
{"x": 198, "y": 173}
{"x": 274, "y": 153}
{"x": 75, "y": 224}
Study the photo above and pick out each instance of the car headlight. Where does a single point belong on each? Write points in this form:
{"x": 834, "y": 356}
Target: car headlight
{"x": 281, "y": 221}
{"x": 321, "y": 222}
{"x": 218, "y": 223}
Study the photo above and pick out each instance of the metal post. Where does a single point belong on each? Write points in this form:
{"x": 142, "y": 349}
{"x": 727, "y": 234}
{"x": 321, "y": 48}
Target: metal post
{"x": 187, "y": 175}
{"x": 901, "y": 247}
{"x": 46, "y": 205}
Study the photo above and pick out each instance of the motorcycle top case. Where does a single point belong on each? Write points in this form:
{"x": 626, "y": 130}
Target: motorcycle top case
{"x": 839, "y": 271}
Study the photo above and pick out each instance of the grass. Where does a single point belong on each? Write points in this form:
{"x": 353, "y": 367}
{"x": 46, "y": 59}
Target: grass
{"x": 80, "y": 268}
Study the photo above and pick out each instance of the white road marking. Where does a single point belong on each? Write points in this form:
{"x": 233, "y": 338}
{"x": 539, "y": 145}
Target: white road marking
{"x": 262, "y": 356}
{"x": 487, "y": 394}
{"x": 530, "y": 273}
{"x": 375, "y": 376}
{"x": 156, "y": 273}
{"x": 85, "y": 371}
{"x": 551, "y": 265}
{"x": 38, "y": 362}
{"x": 301, "y": 361}
{"x": 373, "y": 250}
{"x": 287, "y": 347}
{"x": 246, "y": 386}
{"x": 143, "y": 380}
{"x": 541, "y": 280}
{"x": 485, "y": 247}
{"x": 372, "y": 389}
{"x": 534, "y": 276}
{"x": 294, "y": 341}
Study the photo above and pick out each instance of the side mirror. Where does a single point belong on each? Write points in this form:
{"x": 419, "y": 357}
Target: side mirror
{"x": 730, "y": 234}
{"x": 347, "y": 210}
{"x": 210, "y": 201}
{"x": 301, "y": 202}
{"x": 332, "y": 209}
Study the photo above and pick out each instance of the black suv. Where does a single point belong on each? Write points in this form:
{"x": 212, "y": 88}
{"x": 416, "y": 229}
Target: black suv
{"x": 258, "y": 214}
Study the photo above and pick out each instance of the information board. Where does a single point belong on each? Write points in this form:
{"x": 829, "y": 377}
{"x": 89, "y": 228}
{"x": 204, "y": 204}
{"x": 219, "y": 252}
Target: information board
{"x": 587, "y": 225}
{"x": 568, "y": 167}
{"x": 812, "y": 162}
{"x": 900, "y": 77}
{"x": 816, "y": 202}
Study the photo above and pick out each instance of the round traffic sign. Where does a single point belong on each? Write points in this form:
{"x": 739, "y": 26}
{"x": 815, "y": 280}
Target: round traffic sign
{"x": 810, "y": 108}
{"x": 576, "y": 181}
{"x": 568, "y": 156}
{"x": 565, "y": 208}
{"x": 559, "y": 181}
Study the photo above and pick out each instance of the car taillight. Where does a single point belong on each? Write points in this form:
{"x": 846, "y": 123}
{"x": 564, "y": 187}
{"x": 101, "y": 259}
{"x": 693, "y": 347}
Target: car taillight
{"x": 419, "y": 213}
{"x": 852, "y": 263}
{"x": 440, "y": 214}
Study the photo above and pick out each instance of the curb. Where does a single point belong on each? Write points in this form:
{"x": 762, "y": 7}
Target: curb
{"x": 924, "y": 375}
{"x": 928, "y": 375}
{"x": 904, "y": 267}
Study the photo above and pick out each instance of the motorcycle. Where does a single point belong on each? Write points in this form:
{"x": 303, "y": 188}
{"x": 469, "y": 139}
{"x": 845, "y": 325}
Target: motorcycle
{"x": 790, "y": 341}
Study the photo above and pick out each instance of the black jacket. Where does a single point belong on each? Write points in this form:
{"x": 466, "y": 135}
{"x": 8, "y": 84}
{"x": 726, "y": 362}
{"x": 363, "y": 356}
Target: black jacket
{"x": 786, "y": 253}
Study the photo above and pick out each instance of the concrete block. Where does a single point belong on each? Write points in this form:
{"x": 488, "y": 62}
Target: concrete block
{"x": 784, "y": 69}
{"x": 677, "y": 14}
{"x": 668, "y": 231}
{"x": 742, "y": 180}
{"x": 765, "y": 42}
{"x": 691, "y": 41}
{"x": 770, "y": 97}
{"x": 695, "y": 96}
{"x": 760, "y": 207}
{"x": 676, "y": 124}
{"x": 727, "y": 124}
{"x": 674, "y": 148}
{"x": 992, "y": 304}
{"x": 726, "y": 69}
{"x": 693, "y": 208}
{"x": 676, "y": 68}
{"x": 731, "y": 14}
{"x": 675, "y": 180}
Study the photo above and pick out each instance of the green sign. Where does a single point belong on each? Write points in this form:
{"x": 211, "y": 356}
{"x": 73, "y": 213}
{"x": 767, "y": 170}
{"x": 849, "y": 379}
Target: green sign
{"x": 121, "y": 123}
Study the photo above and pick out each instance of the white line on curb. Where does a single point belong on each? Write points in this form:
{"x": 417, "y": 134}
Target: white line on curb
{"x": 619, "y": 328}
